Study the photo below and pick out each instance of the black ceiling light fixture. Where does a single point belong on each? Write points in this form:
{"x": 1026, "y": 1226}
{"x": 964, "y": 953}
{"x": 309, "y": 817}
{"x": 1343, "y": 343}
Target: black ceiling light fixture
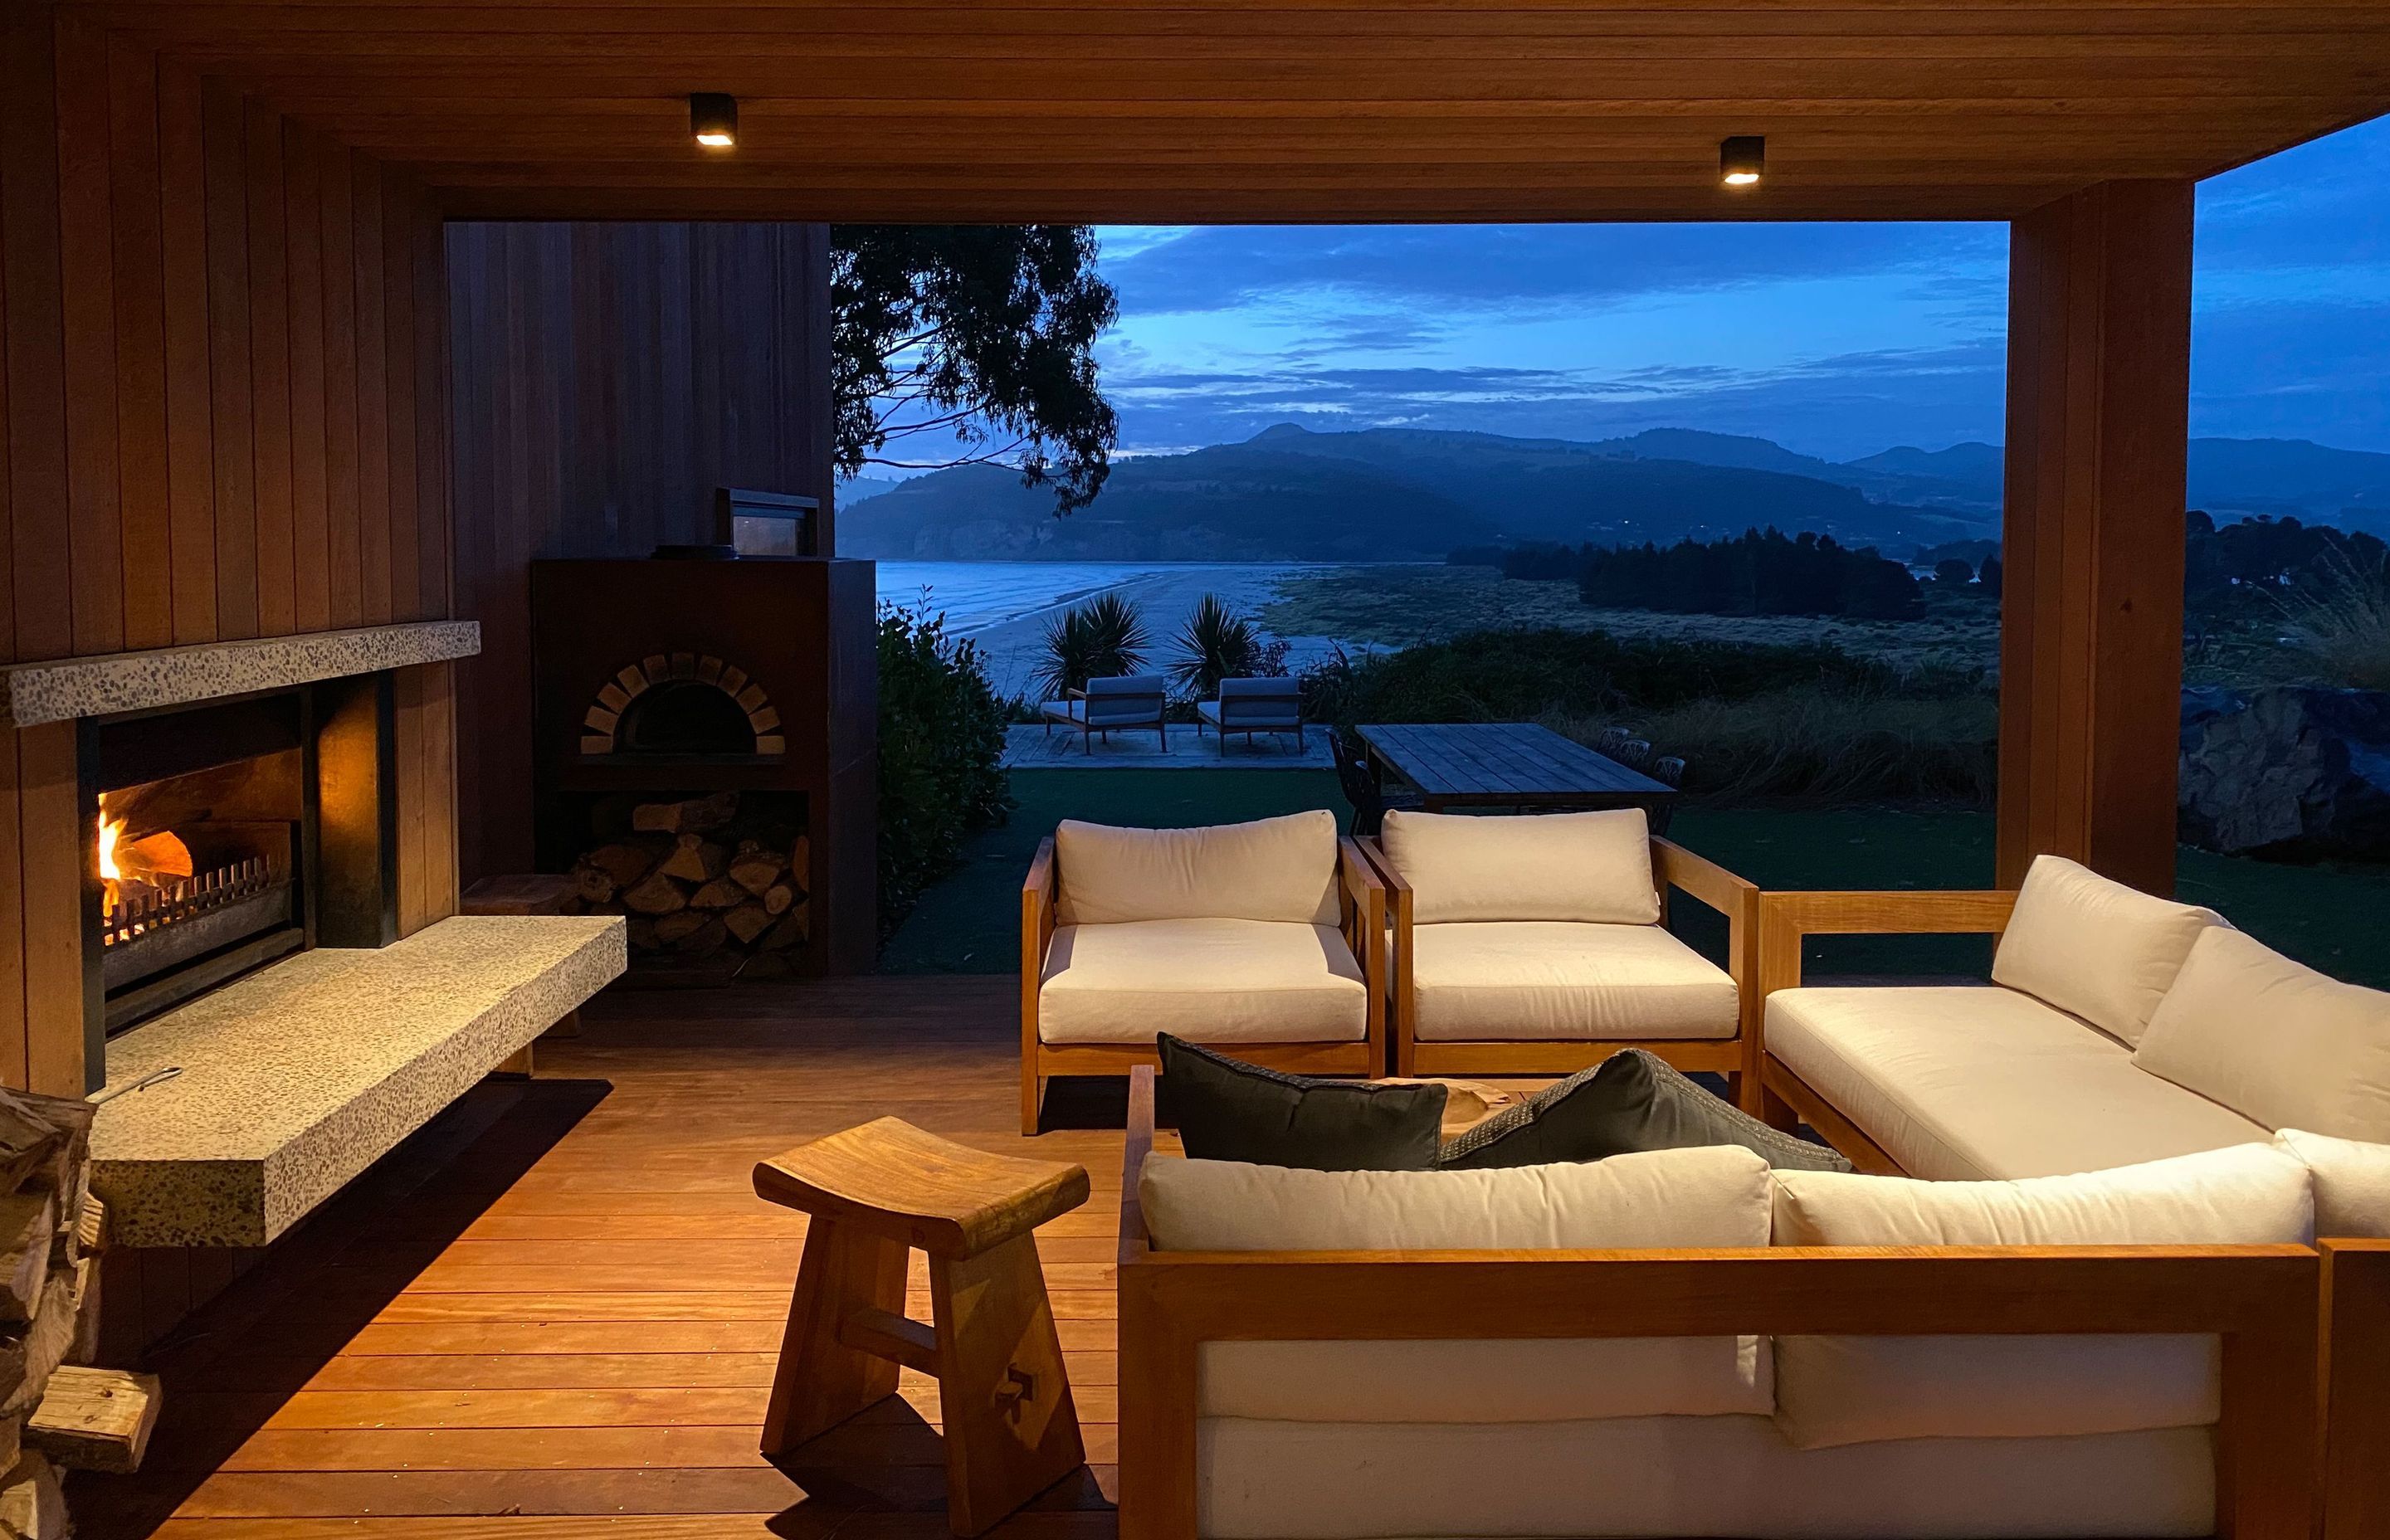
{"x": 1742, "y": 160}
{"x": 714, "y": 119}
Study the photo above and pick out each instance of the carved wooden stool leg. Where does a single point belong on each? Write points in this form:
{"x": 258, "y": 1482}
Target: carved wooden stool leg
{"x": 1011, "y": 1427}
{"x": 821, "y": 1380}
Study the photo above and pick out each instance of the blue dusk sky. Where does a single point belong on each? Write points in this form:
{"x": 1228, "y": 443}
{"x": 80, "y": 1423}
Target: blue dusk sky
{"x": 1834, "y": 339}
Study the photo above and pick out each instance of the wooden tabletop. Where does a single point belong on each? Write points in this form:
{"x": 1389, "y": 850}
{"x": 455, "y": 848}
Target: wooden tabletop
{"x": 1507, "y": 764}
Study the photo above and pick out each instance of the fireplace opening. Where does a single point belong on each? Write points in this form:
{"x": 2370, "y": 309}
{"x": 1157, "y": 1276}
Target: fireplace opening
{"x": 684, "y": 716}
{"x": 197, "y": 850}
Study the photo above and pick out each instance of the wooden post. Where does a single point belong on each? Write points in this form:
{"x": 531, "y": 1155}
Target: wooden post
{"x": 2091, "y": 611}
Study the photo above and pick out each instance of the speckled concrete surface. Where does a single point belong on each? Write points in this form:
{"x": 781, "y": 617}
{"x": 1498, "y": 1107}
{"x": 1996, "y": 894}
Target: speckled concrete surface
{"x": 70, "y": 687}
{"x": 297, "y": 1078}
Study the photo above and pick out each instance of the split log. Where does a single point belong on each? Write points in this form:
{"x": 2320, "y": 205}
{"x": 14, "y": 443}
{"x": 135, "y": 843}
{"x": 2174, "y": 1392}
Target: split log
{"x": 756, "y": 870}
{"x": 698, "y": 815}
{"x": 801, "y": 858}
{"x": 790, "y": 931}
{"x": 33, "y": 1505}
{"x": 694, "y": 859}
{"x": 747, "y": 923}
{"x": 626, "y": 863}
{"x": 779, "y": 899}
{"x": 95, "y": 1419}
{"x": 52, "y": 1335}
{"x": 672, "y": 928}
{"x": 657, "y": 894}
{"x": 640, "y": 933}
{"x": 593, "y": 882}
{"x": 29, "y": 1228}
{"x": 720, "y": 893}
{"x": 703, "y": 942}
{"x": 91, "y": 1227}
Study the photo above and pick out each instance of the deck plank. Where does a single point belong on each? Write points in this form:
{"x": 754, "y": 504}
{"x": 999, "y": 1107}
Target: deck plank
{"x": 561, "y": 1321}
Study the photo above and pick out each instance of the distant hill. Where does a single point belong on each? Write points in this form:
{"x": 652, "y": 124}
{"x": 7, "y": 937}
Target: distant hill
{"x": 1288, "y": 495}
{"x": 860, "y": 488}
{"x": 1291, "y": 495}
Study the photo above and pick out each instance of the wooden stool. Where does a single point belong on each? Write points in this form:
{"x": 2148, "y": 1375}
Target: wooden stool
{"x": 873, "y": 1192}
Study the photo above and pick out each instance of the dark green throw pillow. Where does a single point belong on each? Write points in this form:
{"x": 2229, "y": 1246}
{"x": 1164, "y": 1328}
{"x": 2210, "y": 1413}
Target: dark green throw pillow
{"x": 1229, "y": 1111}
{"x": 1632, "y": 1101}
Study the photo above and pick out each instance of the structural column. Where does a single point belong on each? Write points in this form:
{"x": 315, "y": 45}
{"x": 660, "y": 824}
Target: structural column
{"x": 2091, "y": 613}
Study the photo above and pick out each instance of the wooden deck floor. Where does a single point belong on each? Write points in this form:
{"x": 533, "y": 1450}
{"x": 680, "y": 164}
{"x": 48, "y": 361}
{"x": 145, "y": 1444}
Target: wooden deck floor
{"x": 554, "y": 1312}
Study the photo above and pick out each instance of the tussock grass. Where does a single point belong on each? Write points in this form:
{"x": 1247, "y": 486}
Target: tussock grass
{"x": 2341, "y": 628}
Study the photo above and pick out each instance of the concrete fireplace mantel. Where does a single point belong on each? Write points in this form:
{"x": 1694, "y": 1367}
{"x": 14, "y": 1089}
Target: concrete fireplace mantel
{"x": 294, "y": 1080}
{"x": 63, "y": 689}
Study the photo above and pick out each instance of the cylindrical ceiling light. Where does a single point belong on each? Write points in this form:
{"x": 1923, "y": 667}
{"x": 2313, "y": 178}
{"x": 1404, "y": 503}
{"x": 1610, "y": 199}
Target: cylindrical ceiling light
{"x": 1741, "y": 160}
{"x": 714, "y": 119}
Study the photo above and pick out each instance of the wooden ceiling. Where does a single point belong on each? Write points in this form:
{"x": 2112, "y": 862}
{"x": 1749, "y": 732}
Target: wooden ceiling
{"x": 1142, "y": 110}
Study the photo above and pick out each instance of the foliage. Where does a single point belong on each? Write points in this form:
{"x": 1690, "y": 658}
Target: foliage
{"x": 1990, "y": 575}
{"x": 2228, "y": 565}
{"x": 1103, "y": 638}
{"x": 940, "y": 750}
{"x": 1755, "y": 573}
{"x": 981, "y": 334}
{"x": 2339, "y": 620}
{"x": 1217, "y": 644}
{"x": 1954, "y": 572}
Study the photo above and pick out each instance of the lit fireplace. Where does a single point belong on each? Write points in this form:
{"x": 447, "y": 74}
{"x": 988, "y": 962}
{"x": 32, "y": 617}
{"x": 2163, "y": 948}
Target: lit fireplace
{"x": 161, "y": 905}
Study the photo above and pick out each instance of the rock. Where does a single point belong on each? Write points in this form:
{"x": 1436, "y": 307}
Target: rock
{"x": 2286, "y": 771}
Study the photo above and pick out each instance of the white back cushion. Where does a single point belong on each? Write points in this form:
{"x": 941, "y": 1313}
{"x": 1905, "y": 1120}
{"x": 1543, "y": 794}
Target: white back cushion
{"x": 1272, "y": 869}
{"x": 1854, "y": 1390}
{"x": 2103, "y": 951}
{"x": 2352, "y": 1183}
{"x": 2274, "y": 1040}
{"x": 1594, "y": 868}
{"x": 1708, "y": 1196}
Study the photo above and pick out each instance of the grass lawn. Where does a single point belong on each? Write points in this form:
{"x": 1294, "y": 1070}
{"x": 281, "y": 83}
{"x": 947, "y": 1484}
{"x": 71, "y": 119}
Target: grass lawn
{"x": 2328, "y": 918}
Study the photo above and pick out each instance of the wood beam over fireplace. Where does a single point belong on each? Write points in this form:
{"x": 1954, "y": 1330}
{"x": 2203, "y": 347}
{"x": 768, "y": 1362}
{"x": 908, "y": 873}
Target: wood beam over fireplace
{"x": 2091, "y": 615}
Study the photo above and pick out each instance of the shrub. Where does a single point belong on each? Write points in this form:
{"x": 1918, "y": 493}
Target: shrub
{"x": 1217, "y": 644}
{"x": 1100, "y": 639}
{"x": 940, "y": 753}
{"x": 2340, "y": 621}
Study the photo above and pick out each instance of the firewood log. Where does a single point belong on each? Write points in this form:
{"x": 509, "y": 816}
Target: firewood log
{"x": 627, "y": 862}
{"x": 655, "y": 894}
{"x": 640, "y": 933}
{"x": 757, "y": 870}
{"x": 29, "y": 1228}
{"x": 720, "y": 893}
{"x": 748, "y": 922}
{"x": 673, "y": 928}
{"x": 33, "y": 1505}
{"x": 694, "y": 859}
{"x": 703, "y": 942}
{"x": 95, "y": 1419}
{"x": 593, "y": 882}
{"x": 790, "y": 932}
{"x": 698, "y": 815}
{"x": 52, "y": 1334}
{"x": 778, "y": 900}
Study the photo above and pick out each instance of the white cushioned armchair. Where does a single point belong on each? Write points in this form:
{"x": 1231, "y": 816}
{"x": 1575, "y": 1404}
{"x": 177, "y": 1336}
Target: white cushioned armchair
{"x": 1265, "y": 938}
{"x": 1537, "y": 945}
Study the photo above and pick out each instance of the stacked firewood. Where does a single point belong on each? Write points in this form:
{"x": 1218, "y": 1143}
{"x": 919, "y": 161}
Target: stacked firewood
{"x": 54, "y": 1410}
{"x": 699, "y": 880}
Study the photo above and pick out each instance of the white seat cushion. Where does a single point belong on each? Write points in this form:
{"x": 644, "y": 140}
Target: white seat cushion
{"x": 1496, "y": 981}
{"x": 2275, "y": 1040}
{"x": 1590, "y": 866}
{"x": 1850, "y": 1389}
{"x": 2095, "y": 948}
{"x": 1711, "y": 1196}
{"x": 1970, "y": 1084}
{"x": 1271, "y": 869}
{"x": 1207, "y": 981}
{"x": 2352, "y": 1183}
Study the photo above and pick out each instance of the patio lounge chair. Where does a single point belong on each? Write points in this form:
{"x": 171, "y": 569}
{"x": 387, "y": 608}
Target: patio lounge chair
{"x": 1133, "y": 701}
{"x": 1250, "y": 706}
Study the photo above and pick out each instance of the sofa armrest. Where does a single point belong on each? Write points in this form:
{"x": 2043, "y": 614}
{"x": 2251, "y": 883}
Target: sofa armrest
{"x": 1037, "y": 893}
{"x": 1788, "y": 918}
{"x": 1365, "y": 887}
{"x": 1700, "y": 878}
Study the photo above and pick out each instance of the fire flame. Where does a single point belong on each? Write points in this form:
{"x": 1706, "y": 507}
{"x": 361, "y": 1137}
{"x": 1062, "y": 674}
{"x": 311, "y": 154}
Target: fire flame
{"x": 154, "y": 860}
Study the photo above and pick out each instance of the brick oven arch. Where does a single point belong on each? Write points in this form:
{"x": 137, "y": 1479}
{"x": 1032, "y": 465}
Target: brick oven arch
{"x": 602, "y": 721}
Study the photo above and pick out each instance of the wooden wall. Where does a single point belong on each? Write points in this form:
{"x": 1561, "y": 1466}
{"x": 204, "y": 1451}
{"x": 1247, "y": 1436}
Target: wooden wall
{"x": 608, "y": 377}
{"x": 224, "y": 385}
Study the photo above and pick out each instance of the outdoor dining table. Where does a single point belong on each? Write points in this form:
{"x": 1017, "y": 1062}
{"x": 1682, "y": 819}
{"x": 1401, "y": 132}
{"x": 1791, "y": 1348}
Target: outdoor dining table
{"x": 1507, "y": 764}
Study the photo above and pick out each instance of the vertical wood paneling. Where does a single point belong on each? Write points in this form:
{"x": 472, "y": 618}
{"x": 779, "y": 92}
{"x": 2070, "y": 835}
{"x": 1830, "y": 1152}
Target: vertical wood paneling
{"x": 86, "y": 258}
{"x": 14, "y": 1041}
{"x": 373, "y": 396}
{"x": 225, "y": 132}
{"x": 52, "y": 854}
{"x": 40, "y": 565}
{"x": 405, "y": 544}
{"x": 139, "y": 264}
{"x": 435, "y": 523}
{"x": 191, "y": 421}
{"x": 269, "y": 340}
{"x": 337, "y": 180}
{"x": 310, "y": 507}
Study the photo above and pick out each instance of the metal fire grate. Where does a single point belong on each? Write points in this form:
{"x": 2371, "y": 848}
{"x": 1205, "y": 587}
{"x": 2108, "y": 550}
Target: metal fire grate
{"x": 148, "y": 909}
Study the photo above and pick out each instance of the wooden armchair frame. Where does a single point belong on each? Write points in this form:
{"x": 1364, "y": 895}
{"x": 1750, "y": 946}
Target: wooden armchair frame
{"x": 1090, "y": 730}
{"x": 1672, "y": 867}
{"x": 1787, "y": 920}
{"x": 2259, "y": 1299}
{"x": 1362, "y": 902}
